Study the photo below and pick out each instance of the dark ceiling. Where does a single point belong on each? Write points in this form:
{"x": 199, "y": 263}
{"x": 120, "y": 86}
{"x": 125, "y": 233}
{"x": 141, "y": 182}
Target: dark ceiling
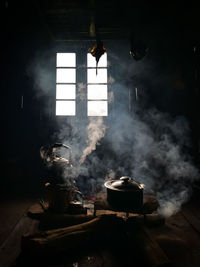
{"x": 70, "y": 20}
{"x": 65, "y": 20}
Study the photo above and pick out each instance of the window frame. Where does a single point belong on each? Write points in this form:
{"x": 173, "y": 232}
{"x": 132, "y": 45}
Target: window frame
{"x": 81, "y": 72}
{"x": 69, "y": 100}
{"x": 96, "y": 68}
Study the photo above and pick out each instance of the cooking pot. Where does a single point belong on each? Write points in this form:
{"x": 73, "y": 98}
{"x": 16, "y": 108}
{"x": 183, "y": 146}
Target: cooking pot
{"x": 125, "y": 194}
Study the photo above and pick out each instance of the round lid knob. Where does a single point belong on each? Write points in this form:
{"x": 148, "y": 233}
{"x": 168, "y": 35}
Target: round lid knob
{"x": 125, "y": 179}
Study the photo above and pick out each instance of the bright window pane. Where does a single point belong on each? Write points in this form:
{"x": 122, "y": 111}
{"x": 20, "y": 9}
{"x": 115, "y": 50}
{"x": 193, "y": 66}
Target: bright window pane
{"x": 100, "y": 77}
{"x": 65, "y": 75}
{"x": 97, "y": 108}
{"x": 97, "y": 91}
{"x": 66, "y": 60}
{"x": 91, "y": 61}
{"x": 66, "y": 108}
{"x": 65, "y": 91}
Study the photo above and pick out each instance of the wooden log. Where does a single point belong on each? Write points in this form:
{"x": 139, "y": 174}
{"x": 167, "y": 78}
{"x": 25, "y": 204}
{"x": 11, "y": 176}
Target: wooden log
{"x": 68, "y": 238}
{"x": 49, "y": 220}
{"x": 150, "y": 204}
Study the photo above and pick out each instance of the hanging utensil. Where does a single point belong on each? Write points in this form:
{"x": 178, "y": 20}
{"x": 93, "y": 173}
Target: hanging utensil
{"x": 97, "y": 51}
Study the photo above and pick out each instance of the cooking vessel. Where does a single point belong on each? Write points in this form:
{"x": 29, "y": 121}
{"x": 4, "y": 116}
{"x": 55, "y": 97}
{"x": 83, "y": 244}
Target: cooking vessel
{"x": 61, "y": 197}
{"x": 125, "y": 194}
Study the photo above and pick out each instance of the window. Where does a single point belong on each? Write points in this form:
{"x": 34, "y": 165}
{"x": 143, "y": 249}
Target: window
{"x": 97, "y": 95}
{"x": 66, "y": 84}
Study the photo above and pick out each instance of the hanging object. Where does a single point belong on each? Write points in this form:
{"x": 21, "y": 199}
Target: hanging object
{"x": 97, "y": 51}
{"x": 138, "y": 50}
{"x": 92, "y": 29}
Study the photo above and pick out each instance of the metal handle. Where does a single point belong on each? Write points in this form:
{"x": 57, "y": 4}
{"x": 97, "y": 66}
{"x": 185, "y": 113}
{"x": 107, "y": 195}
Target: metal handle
{"x": 125, "y": 179}
{"x": 78, "y": 193}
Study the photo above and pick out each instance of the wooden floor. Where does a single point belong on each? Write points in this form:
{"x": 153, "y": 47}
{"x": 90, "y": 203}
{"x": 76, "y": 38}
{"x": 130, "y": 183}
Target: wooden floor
{"x": 179, "y": 237}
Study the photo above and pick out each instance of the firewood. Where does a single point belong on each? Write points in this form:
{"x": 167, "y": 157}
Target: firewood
{"x": 69, "y": 238}
{"x": 150, "y": 204}
{"x": 50, "y": 220}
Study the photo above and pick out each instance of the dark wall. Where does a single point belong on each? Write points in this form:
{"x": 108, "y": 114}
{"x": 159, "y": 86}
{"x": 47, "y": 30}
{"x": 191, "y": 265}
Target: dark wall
{"x": 21, "y": 112}
{"x": 165, "y": 78}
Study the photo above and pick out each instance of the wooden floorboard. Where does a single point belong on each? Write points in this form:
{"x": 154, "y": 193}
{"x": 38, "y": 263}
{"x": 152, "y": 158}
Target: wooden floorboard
{"x": 193, "y": 220}
{"x": 13, "y": 226}
{"x": 180, "y": 240}
{"x": 179, "y": 237}
{"x": 11, "y": 210}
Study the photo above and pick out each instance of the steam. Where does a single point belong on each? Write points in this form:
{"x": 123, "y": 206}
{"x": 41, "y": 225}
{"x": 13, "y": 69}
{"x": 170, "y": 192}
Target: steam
{"x": 148, "y": 145}
{"x": 153, "y": 148}
{"x": 170, "y": 203}
{"x": 96, "y": 131}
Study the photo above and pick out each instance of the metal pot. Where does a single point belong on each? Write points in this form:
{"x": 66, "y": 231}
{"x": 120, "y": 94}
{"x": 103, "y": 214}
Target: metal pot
{"x": 60, "y": 197}
{"x": 125, "y": 194}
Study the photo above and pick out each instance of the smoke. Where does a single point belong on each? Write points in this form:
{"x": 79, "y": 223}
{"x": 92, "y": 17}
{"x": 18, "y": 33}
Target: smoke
{"x": 42, "y": 74}
{"x": 153, "y": 148}
{"x": 171, "y": 200}
{"x": 148, "y": 145}
{"x": 96, "y": 131}
{"x": 80, "y": 91}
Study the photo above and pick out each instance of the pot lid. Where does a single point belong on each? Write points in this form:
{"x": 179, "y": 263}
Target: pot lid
{"x": 125, "y": 183}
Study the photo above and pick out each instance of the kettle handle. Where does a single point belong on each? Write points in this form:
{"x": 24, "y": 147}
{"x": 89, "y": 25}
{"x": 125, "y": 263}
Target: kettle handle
{"x": 77, "y": 192}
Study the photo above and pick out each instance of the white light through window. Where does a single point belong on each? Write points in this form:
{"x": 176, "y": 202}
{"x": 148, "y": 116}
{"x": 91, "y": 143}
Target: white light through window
{"x": 98, "y": 91}
{"x": 66, "y": 60}
{"x": 65, "y": 91}
{"x": 97, "y": 88}
{"x": 99, "y": 77}
{"x": 67, "y": 108}
{"x": 65, "y": 84}
{"x": 97, "y": 108}
{"x": 66, "y": 76}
